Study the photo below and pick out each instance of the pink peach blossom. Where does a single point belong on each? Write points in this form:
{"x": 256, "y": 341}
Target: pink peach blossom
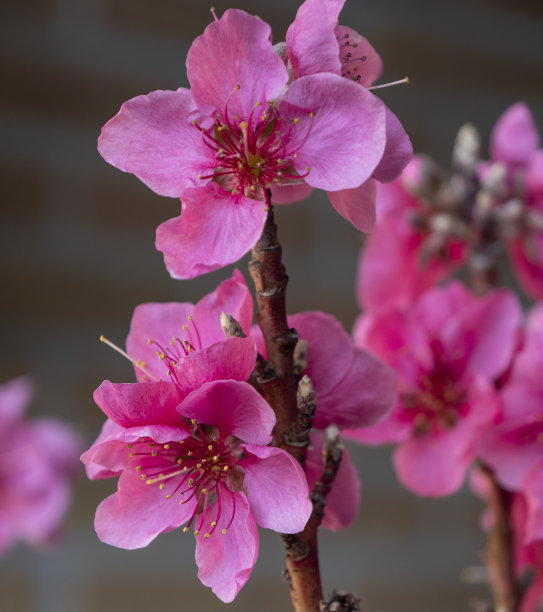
{"x": 37, "y": 465}
{"x": 238, "y": 131}
{"x": 190, "y": 442}
{"x": 447, "y": 350}
{"x": 316, "y": 44}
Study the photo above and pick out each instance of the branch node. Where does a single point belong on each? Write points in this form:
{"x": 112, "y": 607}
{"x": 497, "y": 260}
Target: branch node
{"x": 230, "y": 326}
{"x": 340, "y": 601}
{"x": 300, "y": 358}
{"x": 298, "y": 434}
{"x": 296, "y": 548}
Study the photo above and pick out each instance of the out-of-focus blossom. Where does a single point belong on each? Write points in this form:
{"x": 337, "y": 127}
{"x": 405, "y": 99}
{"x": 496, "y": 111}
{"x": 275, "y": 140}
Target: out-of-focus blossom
{"x": 238, "y": 131}
{"x": 37, "y": 465}
{"x": 190, "y": 442}
{"x": 513, "y": 448}
{"x": 447, "y": 350}
{"x": 316, "y": 44}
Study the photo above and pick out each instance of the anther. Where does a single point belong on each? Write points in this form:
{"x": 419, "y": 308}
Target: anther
{"x": 206, "y": 535}
{"x": 196, "y": 532}
{"x": 185, "y": 529}
{"x": 169, "y": 496}
{"x": 214, "y": 524}
{"x": 223, "y": 531}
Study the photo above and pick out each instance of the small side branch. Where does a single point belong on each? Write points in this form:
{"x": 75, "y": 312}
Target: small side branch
{"x": 331, "y": 454}
{"x": 298, "y": 436}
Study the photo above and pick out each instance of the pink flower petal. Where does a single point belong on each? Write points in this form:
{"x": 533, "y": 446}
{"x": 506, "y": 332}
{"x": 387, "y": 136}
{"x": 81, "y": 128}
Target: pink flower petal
{"x": 233, "y": 225}
{"x": 344, "y": 498}
{"x": 358, "y": 58}
{"x": 287, "y": 194}
{"x": 357, "y": 205}
{"x": 153, "y": 137}
{"x": 15, "y": 395}
{"x": 345, "y": 139}
{"x": 514, "y": 137}
{"x": 398, "y": 150}
{"x": 277, "y": 489}
{"x": 134, "y": 515}
{"x": 532, "y": 487}
{"x": 526, "y": 255}
{"x": 231, "y": 359}
{"x": 132, "y": 404}
{"x": 390, "y": 430}
{"x": 233, "y": 66}
{"x": 235, "y": 408}
{"x": 311, "y": 42}
{"x": 225, "y": 561}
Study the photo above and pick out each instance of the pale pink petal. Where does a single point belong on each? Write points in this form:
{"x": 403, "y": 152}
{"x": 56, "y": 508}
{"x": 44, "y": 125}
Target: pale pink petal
{"x": 311, "y": 41}
{"x": 225, "y": 561}
{"x": 344, "y": 498}
{"x": 526, "y": 253}
{"x": 215, "y": 228}
{"x": 232, "y": 66}
{"x": 359, "y": 60}
{"x": 235, "y": 408}
{"x": 231, "y": 297}
{"x": 357, "y": 205}
{"x": 287, "y": 194}
{"x": 398, "y": 150}
{"x": 15, "y": 395}
{"x": 154, "y": 138}
{"x": 94, "y": 470}
{"x": 132, "y": 404}
{"x": 277, "y": 489}
{"x": 364, "y": 396}
{"x": 134, "y": 515}
{"x": 231, "y": 359}
{"x": 514, "y": 137}
{"x": 160, "y": 323}
{"x": 522, "y": 403}
{"x": 345, "y": 139}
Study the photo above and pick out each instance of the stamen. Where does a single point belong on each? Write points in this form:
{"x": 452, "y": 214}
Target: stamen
{"x": 400, "y": 82}
{"x": 136, "y": 362}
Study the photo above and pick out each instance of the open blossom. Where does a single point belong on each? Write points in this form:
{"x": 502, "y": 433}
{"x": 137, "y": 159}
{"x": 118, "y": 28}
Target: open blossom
{"x": 37, "y": 465}
{"x": 515, "y": 144}
{"x": 236, "y": 132}
{"x": 316, "y": 44}
{"x": 190, "y": 442}
{"x": 353, "y": 389}
{"x": 413, "y": 247}
{"x": 447, "y": 350}
{"x": 513, "y": 448}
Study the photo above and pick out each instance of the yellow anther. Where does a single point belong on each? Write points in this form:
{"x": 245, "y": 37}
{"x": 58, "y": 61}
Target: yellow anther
{"x": 143, "y": 477}
{"x": 206, "y": 535}
{"x": 194, "y": 122}
{"x": 243, "y": 125}
{"x": 216, "y": 458}
{"x": 225, "y": 468}
{"x": 153, "y": 454}
{"x": 223, "y": 531}
{"x": 169, "y": 496}
{"x": 179, "y": 461}
{"x": 130, "y": 445}
{"x": 191, "y": 482}
{"x": 311, "y": 114}
{"x": 295, "y": 156}
{"x": 151, "y": 444}
{"x": 162, "y": 356}
{"x": 132, "y": 454}
{"x": 142, "y": 439}
{"x": 185, "y": 529}
{"x": 238, "y": 87}
{"x": 308, "y": 168}
{"x": 149, "y": 341}
{"x": 166, "y": 446}
{"x": 296, "y": 120}
{"x": 236, "y": 116}
{"x": 185, "y": 469}
{"x": 193, "y": 421}
{"x": 190, "y": 453}
{"x": 184, "y": 328}
{"x": 197, "y": 532}
{"x": 181, "y": 442}
{"x": 181, "y": 502}
{"x": 259, "y": 103}
{"x": 161, "y": 486}
{"x": 210, "y": 447}
{"x": 138, "y": 468}
{"x": 214, "y": 524}
{"x": 204, "y": 491}
{"x": 198, "y": 465}
{"x": 172, "y": 342}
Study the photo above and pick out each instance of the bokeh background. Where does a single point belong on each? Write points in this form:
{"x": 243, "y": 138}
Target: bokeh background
{"x": 77, "y": 255}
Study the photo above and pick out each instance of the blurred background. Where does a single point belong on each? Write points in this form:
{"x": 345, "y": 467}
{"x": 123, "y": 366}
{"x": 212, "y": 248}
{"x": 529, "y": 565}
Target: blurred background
{"x": 77, "y": 255}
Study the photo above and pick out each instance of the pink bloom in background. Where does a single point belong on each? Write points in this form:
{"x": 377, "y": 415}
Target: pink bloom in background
{"x": 37, "y": 466}
{"x": 447, "y": 350}
{"x": 190, "y": 442}
{"x": 316, "y": 44}
{"x": 353, "y": 389}
{"x": 514, "y": 447}
{"x": 398, "y": 261}
{"x": 515, "y": 144}
{"x": 237, "y": 131}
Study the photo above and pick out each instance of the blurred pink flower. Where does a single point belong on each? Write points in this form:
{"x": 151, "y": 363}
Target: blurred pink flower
{"x": 399, "y": 260}
{"x": 238, "y": 131}
{"x": 191, "y": 445}
{"x": 37, "y": 466}
{"x": 515, "y": 143}
{"x": 446, "y": 349}
{"x": 513, "y": 448}
{"x": 316, "y": 44}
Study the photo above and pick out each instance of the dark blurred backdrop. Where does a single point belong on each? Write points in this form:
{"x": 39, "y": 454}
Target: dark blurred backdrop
{"x": 77, "y": 255}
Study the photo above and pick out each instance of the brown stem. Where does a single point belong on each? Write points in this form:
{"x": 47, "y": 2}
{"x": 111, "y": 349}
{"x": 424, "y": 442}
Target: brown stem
{"x": 280, "y": 388}
{"x": 499, "y": 550}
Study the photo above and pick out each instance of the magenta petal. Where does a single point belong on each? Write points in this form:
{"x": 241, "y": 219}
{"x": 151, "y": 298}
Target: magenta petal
{"x": 344, "y": 498}
{"x": 358, "y": 57}
{"x": 160, "y": 323}
{"x": 153, "y": 137}
{"x": 357, "y": 205}
{"x": 345, "y": 139}
{"x": 514, "y": 137}
{"x": 311, "y": 42}
{"x": 215, "y": 228}
{"x": 134, "y": 515}
{"x": 231, "y": 359}
{"x": 231, "y": 297}
{"x": 225, "y": 561}
{"x": 94, "y": 470}
{"x": 235, "y": 408}
{"x": 398, "y": 150}
{"x": 527, "y": 258}
{"x": 14, "y": 397}
{"x": 392, "y": 429}
{"x": 534, "y": 178}
{"x": 132, "y": 404}
{"x": 277, "y": 489}
{"x": 287, "y": 194}
{"x": 232, "y": 66}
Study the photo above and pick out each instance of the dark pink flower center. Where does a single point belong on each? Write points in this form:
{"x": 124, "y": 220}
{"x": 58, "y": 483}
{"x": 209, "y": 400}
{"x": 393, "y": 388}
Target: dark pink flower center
{"x": 253, "y": 153}
{"x": 200, "y": 469}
